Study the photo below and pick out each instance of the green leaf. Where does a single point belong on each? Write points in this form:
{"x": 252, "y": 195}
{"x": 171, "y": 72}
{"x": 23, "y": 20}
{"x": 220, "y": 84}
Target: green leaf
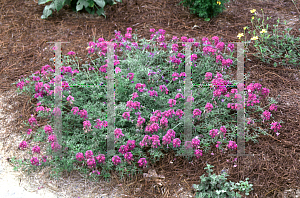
{"x": 43, "y": 1}
{"x": 90, "y": 11}
{"x": 207, "y": 19}
{"x": 110, "y": 2}
{"x": 82, "y": 3}
{"x": 58, "y": 4}
{"x": 91, "y": 3}
{"x": 67, "y": 2}
{"x": 100, "y": 3}
{"x": 47, "y": 11}
{"x": 195, "y": 186}
{"x": 100, "y": 12}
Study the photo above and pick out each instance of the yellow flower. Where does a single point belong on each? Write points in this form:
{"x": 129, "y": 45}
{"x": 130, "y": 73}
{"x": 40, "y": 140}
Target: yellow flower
{"x": 263, "y": 31}
{"x": 254, "y": 38}
{"x": 253, "y": 17}
{"x": 218, "y": 2}
{"x": 252, "y": 11}
{"x": 245, "y": 28}
{"x": 240, "y": 35}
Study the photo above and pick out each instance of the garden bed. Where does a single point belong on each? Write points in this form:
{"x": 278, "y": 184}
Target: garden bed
{"x": 24, "y": 53}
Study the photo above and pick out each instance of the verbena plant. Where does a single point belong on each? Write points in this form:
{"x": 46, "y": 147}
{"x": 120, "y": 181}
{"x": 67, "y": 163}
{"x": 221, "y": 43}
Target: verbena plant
{"x": 76, "y": 5}
{"x": 215, "y": 186}
{"x": 206, "y": 9}
{"x": 149, "y": 105}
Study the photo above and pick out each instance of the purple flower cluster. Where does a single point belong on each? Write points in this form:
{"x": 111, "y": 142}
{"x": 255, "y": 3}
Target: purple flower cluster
{"x": 116, "y": 160}
{"x": 90, "y": 159}
{"x": 36, "y": 149}
{"x": 23, "y": 145}
{"x": 266, "y": 115}
{"x": 142, "y": 162}
{"x": 168, "y": 138}
{"x": 232, "y": 145}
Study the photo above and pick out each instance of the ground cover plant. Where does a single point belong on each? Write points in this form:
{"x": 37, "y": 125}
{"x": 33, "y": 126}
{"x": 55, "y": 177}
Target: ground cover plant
{"x": 273, "y": 162}
{"x": 85, "y": 146}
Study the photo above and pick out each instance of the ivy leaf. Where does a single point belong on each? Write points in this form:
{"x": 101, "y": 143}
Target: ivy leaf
{"x": 91, "y": 3}
{"x": 58, "y": 4}
{"x": 47, "y": 11}
{"x": 82, "y": 3}
{"x": 100, "y": 3}
{"x": 101, "y": 12}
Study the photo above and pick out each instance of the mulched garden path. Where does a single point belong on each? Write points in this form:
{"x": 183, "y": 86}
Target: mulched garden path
{"x": 275, "y": 165}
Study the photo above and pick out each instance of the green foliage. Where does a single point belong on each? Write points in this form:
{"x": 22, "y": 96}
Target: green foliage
{"x": 216, "y": 186}
{"x": 76, "y": 5}
{"x": 275, "y": 47}
{"x": 93, "y": 99}
{"x": 205, "y": 8}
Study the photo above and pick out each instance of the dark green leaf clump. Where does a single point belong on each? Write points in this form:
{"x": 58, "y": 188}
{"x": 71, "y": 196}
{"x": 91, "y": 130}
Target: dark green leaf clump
{"x": 89, "y": 5}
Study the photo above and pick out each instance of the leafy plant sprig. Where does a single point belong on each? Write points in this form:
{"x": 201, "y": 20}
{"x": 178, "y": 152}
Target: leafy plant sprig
{"x": 76, "y": 5}
{"x": 216, "y": 186}
{"x": 284, "y": 47}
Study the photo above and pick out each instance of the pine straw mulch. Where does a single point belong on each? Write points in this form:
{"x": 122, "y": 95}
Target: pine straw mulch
{"x": 275, "y": 164}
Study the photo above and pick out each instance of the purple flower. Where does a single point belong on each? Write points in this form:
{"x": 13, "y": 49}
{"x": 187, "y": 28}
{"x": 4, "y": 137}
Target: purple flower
{"x": 79, "y": 157}
{"x": 23, "y": 145}
{"x": 176, "y": 142}
{"x": 91, "y": 163}
{"x": 273, "y": 107}
{"x": 36, "y": 149}
{"x": 101, "y": 158}
{"x": 142, "y": 162}
{"x": 88, "y": 154}
{"x": 116, "y": 160}
{"x": 34, "y": 161}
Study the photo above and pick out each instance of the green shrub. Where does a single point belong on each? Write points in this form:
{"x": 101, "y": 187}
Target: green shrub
{"x": 205, "y": 8}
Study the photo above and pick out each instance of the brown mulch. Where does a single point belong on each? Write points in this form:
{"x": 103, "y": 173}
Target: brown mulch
{"x": 275, "y": 165}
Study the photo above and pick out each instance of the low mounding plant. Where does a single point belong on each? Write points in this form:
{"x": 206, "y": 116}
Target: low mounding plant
{"x": 149, "y": 104}
{"x": 76, "y": 5}
{"x": 206, "y": 9}
{"x": 215, "y": 186}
